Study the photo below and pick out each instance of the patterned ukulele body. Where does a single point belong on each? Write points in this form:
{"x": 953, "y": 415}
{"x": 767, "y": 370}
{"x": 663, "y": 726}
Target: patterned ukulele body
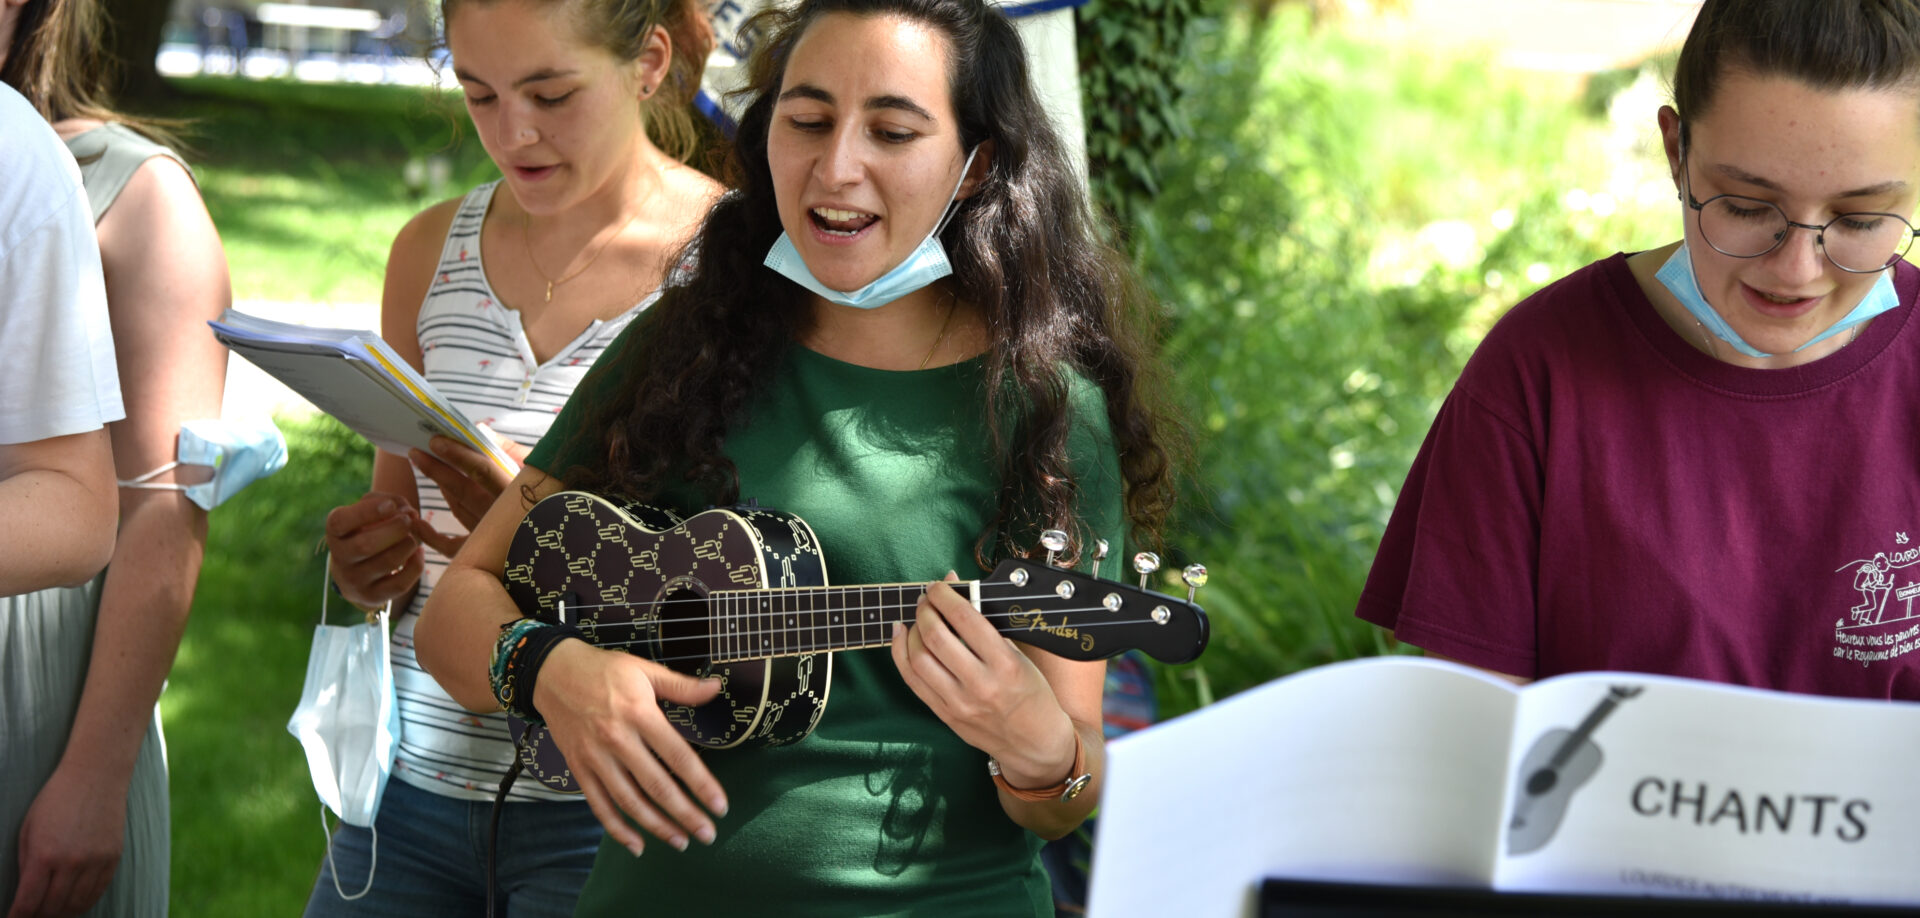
{"x": 638, "y": 576}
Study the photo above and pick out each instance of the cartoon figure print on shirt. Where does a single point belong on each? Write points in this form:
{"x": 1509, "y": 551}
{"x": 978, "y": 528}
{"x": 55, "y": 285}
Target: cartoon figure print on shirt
{"x": 1882, "y": 623}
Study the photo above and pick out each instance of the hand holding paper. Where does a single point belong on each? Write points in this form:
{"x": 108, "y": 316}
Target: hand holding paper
{"x": 356, "y": 377}
{"x": 468, "y": 479}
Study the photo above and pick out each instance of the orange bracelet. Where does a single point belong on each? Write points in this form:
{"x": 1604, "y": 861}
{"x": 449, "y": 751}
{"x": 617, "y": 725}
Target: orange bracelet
{"x": 1077, "y": 779}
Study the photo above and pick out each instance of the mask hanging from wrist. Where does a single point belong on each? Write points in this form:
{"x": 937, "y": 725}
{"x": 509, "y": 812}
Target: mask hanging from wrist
{"x": 926, "y": 264}
{"x": 239, "y": 452}
{"x": 1678, "y": 277}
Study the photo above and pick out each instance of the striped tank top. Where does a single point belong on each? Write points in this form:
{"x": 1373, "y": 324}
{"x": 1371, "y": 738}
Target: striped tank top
{"x": 475, "y": 352}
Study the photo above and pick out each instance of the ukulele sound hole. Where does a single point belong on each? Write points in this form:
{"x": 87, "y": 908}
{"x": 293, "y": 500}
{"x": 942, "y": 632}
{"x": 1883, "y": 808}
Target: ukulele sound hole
{"x": 677, "y": 635}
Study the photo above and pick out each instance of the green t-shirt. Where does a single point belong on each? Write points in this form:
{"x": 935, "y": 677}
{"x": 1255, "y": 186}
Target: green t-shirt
{"x": 882, "y": 810}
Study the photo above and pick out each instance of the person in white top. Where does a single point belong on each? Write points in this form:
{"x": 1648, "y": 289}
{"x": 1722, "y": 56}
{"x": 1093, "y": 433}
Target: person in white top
{"x": 503, "y": 300}
{"x": 58, "y": 392}
{"x": 84, "y": 811}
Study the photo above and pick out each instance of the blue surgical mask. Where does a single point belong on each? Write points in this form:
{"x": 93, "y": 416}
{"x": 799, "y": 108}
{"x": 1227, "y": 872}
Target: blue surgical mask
{"x": 927, "y": 263}
{"x": 240, "y": 453}
{"x": 348, "y": 724}
{"x": 1677, "y": 276}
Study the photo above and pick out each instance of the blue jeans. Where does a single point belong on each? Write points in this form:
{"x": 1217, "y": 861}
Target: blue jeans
{"x": 432, "y": 859}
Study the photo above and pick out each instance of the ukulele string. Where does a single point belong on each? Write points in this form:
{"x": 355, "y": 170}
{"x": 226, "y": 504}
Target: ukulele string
{"x": 791, "y": 591}
{"x": 743, "y": 639}
{"x": 749, "y": 613}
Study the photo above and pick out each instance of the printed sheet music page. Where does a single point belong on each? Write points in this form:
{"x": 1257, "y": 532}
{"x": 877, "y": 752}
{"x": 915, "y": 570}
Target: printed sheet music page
{"x": 1412, "y": 771}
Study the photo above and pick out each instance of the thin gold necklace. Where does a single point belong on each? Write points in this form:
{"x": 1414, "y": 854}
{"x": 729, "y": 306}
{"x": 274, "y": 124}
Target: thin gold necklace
{"x": 526, "y": 242}
{"x": 952, "y": 304}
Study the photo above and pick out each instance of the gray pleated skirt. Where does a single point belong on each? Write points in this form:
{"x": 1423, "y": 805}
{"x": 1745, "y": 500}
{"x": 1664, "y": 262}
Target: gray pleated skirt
{"x": 46, "y": 639}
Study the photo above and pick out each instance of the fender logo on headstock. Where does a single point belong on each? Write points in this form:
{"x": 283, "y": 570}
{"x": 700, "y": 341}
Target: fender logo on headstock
{"x": 1034, "y": 621}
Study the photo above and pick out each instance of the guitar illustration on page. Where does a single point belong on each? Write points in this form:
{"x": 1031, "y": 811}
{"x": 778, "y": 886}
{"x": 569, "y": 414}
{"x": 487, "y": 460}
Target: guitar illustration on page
{"x": 1558, "y": 763}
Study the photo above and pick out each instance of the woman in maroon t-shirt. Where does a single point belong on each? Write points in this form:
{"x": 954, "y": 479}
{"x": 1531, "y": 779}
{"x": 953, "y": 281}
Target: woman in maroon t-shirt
{"x": 1681, "y": 460}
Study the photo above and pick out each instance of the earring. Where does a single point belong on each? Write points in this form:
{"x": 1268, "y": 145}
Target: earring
{"x": 646, "y": 92}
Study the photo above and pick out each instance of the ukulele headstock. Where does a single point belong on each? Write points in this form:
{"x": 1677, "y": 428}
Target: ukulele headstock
{"x": 1083, "y": 617}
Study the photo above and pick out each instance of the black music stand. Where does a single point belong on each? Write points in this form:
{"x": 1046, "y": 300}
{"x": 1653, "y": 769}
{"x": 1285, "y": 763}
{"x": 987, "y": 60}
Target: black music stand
{"x": 1284, "y": 898}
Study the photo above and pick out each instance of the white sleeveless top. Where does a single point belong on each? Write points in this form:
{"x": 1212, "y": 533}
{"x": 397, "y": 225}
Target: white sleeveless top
{"x": 476, "y": 353}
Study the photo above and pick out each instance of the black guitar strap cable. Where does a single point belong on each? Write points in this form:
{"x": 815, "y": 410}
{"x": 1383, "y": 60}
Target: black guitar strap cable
{"x": 493, "y": 830}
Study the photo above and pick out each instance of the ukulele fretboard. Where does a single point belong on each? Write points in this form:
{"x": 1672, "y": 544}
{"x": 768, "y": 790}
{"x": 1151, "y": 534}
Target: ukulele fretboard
{"x": 760, "y": 624}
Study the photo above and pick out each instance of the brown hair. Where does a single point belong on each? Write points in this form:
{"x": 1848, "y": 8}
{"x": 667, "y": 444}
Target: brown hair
{"x": 622, "y": 27}
{"x": 1828, "y": 45}
{"x": 55, "y": 61}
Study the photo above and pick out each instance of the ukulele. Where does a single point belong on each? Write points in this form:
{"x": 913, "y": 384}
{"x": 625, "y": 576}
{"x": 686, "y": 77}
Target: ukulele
{"x": 741, "y": 594}
{"x": 1558, "y": 763}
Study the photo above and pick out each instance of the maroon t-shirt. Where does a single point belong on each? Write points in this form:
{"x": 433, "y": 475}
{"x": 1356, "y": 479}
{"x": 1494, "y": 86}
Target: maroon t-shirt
{"x": 1597, "y": 494}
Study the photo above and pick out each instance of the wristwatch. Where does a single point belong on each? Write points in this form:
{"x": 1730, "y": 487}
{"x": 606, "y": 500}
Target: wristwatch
{"x": 1078, "y": 777}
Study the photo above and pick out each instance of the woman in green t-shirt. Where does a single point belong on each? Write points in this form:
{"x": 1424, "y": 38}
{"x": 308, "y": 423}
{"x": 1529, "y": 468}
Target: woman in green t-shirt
{"x": 822, "y": 359}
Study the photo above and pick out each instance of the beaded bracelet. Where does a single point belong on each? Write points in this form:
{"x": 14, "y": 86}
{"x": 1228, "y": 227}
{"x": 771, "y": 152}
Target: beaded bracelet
{"x": 530, "y": 657}
{"x": 499, "y": 667}
{"x": 517, "y": 656}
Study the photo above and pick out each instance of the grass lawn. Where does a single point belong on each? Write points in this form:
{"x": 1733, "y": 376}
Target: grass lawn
{"x": 307, "y": 183}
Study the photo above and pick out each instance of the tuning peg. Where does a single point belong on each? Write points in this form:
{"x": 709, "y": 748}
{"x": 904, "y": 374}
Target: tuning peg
{"x": 1195, "y": 576}
{"x": 1054, "y": 541}
{"x": 1145, "y": 563}
{"x": 1099, "y": 555}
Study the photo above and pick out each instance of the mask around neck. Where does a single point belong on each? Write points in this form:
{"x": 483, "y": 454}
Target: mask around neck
{"x": 1678, "y": 277}
{"x": 924, "y": 265}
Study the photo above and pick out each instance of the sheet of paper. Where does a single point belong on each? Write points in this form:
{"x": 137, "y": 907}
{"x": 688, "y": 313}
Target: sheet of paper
{"x": 1383, "y": 770}
{"x": 357, "y": 378}
{"x": 1692, "y": 789}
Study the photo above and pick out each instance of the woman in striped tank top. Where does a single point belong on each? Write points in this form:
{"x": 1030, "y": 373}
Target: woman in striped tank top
{"x": 504, "y": 300}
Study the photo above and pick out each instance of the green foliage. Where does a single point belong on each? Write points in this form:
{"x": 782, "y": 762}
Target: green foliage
{"x": 1131, "y": 53}
{"x": 1331, "y": 243}
{"x": 241, "y": 795}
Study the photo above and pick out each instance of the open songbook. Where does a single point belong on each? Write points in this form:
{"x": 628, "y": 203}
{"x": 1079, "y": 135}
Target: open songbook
{"x": 1411, "y": 771}
{"x": 356, "y": 377}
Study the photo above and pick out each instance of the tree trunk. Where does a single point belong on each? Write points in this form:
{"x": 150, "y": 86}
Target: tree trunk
{"x": 133, "y": 40}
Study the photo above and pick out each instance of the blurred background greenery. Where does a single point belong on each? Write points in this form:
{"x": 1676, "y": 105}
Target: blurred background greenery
{"x": 1333, "y": 220}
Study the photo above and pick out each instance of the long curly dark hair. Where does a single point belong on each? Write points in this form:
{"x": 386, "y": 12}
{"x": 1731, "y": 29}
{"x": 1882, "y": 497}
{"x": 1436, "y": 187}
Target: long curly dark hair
{"x": 1056, "y": 301}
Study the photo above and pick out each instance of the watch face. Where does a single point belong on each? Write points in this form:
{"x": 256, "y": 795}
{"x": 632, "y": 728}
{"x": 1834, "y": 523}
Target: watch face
{"x": 1075, "y": 786}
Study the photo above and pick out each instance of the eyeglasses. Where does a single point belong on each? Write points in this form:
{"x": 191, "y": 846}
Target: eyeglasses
{"x": 1743, "y": 227}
